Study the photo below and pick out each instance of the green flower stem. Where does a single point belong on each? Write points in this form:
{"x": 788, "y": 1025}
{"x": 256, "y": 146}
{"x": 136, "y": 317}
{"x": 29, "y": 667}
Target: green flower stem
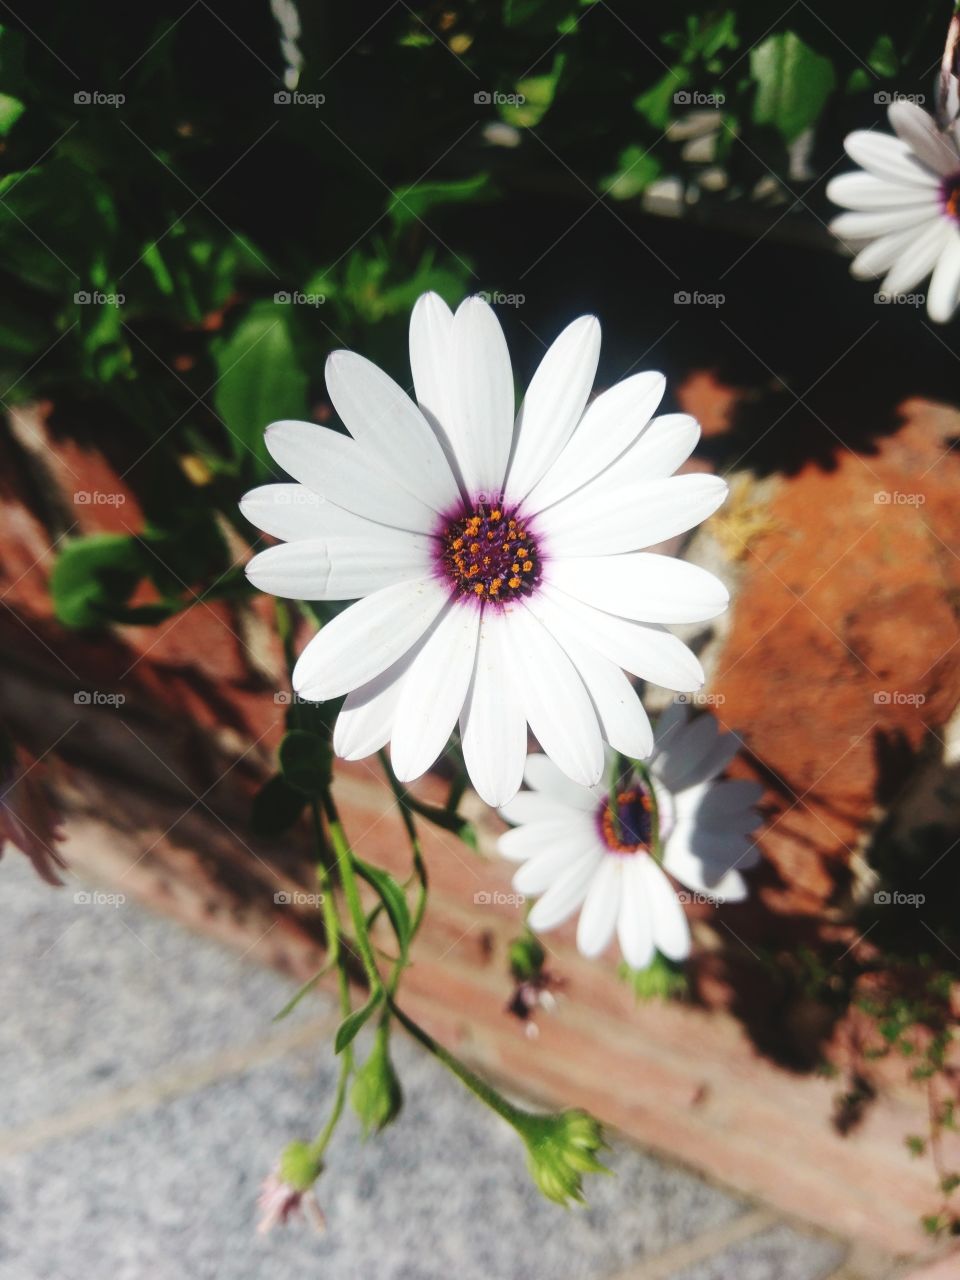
{"x": 645, "y": 776}
{"x": 486, "y": 1093}
{"x": 403, "y": 798}
{"x": 351, "y": 891}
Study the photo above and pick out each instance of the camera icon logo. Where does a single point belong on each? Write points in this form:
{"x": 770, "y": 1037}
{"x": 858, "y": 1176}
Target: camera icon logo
{"x": 682, "y": 298}
{"x": 283, "y": 97}
{"x": 82, "y": 899}
{"x": 82, "y": 698}
{"x": 682, "y": 98}
{"x": 282, "y": 898}
{"x": 881, "y": 698}
{"x": 282, "y": 297}
{"x": 482, "y": 98}
{"x": 82, "y": 498}
{"x": 82, "y": 298}
{"x": 882, "y": 99}
{"x": 882, "y": 898}
{"x": 82, "y": 98}
{"x": 483, "y": 898}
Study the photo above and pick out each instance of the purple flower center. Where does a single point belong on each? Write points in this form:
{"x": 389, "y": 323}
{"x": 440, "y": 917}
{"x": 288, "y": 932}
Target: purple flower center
{"x": 487, "y": 552}
{"x": 633, "y": 829}
{"x": 950, "y": 195}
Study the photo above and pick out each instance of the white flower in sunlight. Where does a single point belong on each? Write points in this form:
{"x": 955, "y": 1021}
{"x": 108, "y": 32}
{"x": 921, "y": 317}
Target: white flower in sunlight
{"x": 906, "y": 207}
{"x": 496, "y": 553}
{"x": 575, "y": 857}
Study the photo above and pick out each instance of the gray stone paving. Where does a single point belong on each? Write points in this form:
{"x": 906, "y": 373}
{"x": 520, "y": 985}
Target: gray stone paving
{"x": 145, "y": 1093}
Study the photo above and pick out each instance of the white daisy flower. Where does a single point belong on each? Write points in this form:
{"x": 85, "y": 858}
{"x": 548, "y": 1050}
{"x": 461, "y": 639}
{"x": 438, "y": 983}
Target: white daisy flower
{"x": 575, "y": 856}
{"x": 906, "y": 207}
{"x": 494, "y": 556}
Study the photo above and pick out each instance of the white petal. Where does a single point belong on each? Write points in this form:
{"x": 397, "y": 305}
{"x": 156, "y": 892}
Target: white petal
{"x": 566, "y": 893}
{"x": 336, "y": 467}
{"x": 482, "y": 394}
{"x": 617, "y": 513}
{"x": 611, "y": 423}
{"x": 715, "y": 877}
{"x": 563, "y": 844}
{"x": 724, "y": 807}
{"x": 914, "y": 127}
{"x": 641, "y": 585}
{"x": 556, "y": 704}
{"x": 917, "y": 260}
{"x": 493, "y": 727}
{"x": 390, "y": 428}
{"x": 880, "y": 256}
{"x": 945, "y": 286}
{"x": 645, "y": 650}
{"x": 531, "y": 806}
{"x": 671, "y": 934}
{"x": 623, "y": 721}
{"x": 534, "y": 838}
{"x": 543, "y": 775}
{"x": 366, "y": 639}
{"x": 291, "y": 511}
{"x": 879, "y": 222}
{"x": 341, "y": 567}
{"x": 431, "y": 364}
{"x": 366, "y": 720}
{"x": 598, "y": 918}
{"x": 634, "y": 926}
{"x": 553, "y": 404}
{"x": 863, "y": 191}
{"x": 434, "y": 692}
{"x": 888, "y": 157}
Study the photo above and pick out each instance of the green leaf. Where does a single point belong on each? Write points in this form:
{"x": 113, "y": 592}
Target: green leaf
{"x": 414, "y": 202}
{"x": 793, "y": 83}
{"x": 260, "y": 379}
{"x": 276, "y": 807}
{"x": 637, "y": 168}
{"x": 306, "y": 762}
{"x": 11, "y": 109}
{"x": 94, "y": 577}
{"x": 393, "y": 898}
{"x": 376, "y": 1095}
{"x": 662, "y": 979}
{"x": 305, "y": 990}
{"x": 351, "y": 1025}
{"x": 538, "y": 93}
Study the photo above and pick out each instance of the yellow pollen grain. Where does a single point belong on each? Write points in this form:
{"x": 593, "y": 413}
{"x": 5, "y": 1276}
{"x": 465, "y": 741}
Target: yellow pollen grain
{"x": 496, "y": 515}
{"x": 479, "y": 588}
{"x": 513, "y": 583}
{"x": 527, "y": 566}
{"x": 474, "y": 548}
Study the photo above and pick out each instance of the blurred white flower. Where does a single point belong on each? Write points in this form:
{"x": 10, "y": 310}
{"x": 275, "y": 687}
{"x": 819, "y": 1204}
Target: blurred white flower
{"x": 496, "y": 553}
{"x": 577, "y": 856}
{"x": 905, "y": 206}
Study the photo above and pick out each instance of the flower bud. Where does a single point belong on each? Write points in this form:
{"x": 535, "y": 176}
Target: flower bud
{"x": 560, "y": 1149}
